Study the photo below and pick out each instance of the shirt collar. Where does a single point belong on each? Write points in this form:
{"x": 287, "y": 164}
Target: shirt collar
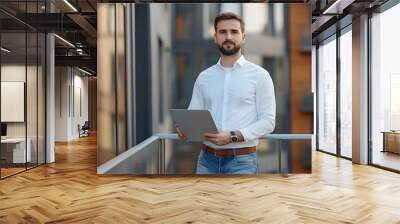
{"x": 240, "y": 61}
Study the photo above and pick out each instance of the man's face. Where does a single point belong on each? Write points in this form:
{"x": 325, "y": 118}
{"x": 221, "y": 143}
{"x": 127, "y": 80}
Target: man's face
{"x": 229, "y": 37}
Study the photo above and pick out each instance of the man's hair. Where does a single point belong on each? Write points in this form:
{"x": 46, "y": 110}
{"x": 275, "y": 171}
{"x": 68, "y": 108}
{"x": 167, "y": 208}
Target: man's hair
{"x": 227, "y": 16}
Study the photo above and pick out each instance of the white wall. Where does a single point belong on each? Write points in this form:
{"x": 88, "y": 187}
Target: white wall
{"x": 33, "y": 106}
{"x": 70, "y": 83}
{"x": 61, "y": 103}
{"x": 16, "y": 73}
{"x": 80, "y": 83}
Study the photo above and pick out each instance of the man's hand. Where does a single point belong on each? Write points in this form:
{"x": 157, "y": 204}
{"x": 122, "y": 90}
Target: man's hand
{"x": 181, "y": 135}
{"x": 221, "y": 138}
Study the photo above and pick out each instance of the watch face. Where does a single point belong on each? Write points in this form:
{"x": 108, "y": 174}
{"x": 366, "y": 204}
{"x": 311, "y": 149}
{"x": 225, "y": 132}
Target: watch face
{"x": 234, "y": 139}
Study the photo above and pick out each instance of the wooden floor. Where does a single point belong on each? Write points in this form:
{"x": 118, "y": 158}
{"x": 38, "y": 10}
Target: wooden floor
{"x": 5, "y": 172}
{"x": 387, "y": 159}
{"x": 70, "y": 191}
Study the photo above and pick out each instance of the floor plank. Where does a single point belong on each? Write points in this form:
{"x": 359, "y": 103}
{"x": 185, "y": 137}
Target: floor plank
{"x": 70, "y": 191}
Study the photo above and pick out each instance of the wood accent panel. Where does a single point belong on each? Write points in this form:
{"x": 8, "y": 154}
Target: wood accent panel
{"x": 300, "y": 77}
{"x": 300, "y": 67}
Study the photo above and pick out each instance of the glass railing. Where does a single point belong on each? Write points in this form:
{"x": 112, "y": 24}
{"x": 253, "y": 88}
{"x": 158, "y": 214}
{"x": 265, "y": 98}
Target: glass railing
{"x": 165, "y": 154}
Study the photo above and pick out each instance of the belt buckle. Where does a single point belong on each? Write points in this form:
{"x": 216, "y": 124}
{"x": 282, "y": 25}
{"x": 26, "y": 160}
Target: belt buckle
{"x": 215, "y": 152}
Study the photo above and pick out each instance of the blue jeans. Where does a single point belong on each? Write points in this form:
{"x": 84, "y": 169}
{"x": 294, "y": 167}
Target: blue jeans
{"x": 236, "y": 164}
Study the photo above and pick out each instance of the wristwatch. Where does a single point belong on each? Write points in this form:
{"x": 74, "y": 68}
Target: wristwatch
{"x": 234, "y": 137}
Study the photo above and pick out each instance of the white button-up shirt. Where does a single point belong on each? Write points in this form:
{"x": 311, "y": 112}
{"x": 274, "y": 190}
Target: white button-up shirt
{"x": 239, "y": 98}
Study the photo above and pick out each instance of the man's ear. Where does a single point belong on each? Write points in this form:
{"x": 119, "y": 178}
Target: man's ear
{"x": 244, "y": 38}
{"x": 215, "y": 37}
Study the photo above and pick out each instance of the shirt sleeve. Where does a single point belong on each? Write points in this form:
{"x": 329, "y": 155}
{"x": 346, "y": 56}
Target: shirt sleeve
{"x": 265, "y": 106}
{"x": 197, "y": 102}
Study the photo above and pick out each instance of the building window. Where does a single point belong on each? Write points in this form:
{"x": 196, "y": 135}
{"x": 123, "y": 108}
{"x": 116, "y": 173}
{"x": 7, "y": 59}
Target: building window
{"x": 346, "y": 94}
{"x": 385, "y": 88}
{"x": 255, "y": 16}
{"x": 184, "y": 21}
{"x": 184, "y": 81}
{"x": 279, "y": 19}
{"x": 210, "y": 11}
{"x": 327, "y": 96}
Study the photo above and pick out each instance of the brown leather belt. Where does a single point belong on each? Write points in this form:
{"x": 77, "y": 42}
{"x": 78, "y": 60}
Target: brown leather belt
{"x": 230, "y": 151}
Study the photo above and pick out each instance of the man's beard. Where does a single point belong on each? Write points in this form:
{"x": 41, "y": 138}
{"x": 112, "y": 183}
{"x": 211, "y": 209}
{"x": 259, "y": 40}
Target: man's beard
{"x": 228, "y": 52}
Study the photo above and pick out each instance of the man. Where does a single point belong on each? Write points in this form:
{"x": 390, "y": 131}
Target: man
{"x": 240, "y": 96}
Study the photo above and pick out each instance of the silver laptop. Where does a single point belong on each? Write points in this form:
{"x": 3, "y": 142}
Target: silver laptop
{"x": 194, "y": 123}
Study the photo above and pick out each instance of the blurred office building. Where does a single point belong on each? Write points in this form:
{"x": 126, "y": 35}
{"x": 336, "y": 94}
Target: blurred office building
{"x": 168, "y": 56}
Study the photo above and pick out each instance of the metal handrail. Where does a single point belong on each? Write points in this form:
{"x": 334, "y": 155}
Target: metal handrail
{"x": 109, "y": 165}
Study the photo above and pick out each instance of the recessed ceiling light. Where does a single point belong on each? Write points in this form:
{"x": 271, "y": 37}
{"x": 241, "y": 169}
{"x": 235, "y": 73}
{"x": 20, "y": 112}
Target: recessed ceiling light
{"x": 64, "y": 40}
{"x": 70, "y": 5}
{"x": 84, "y": 71}
{"x": 337, "y": 7}
{"x": 5, "y": 50}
